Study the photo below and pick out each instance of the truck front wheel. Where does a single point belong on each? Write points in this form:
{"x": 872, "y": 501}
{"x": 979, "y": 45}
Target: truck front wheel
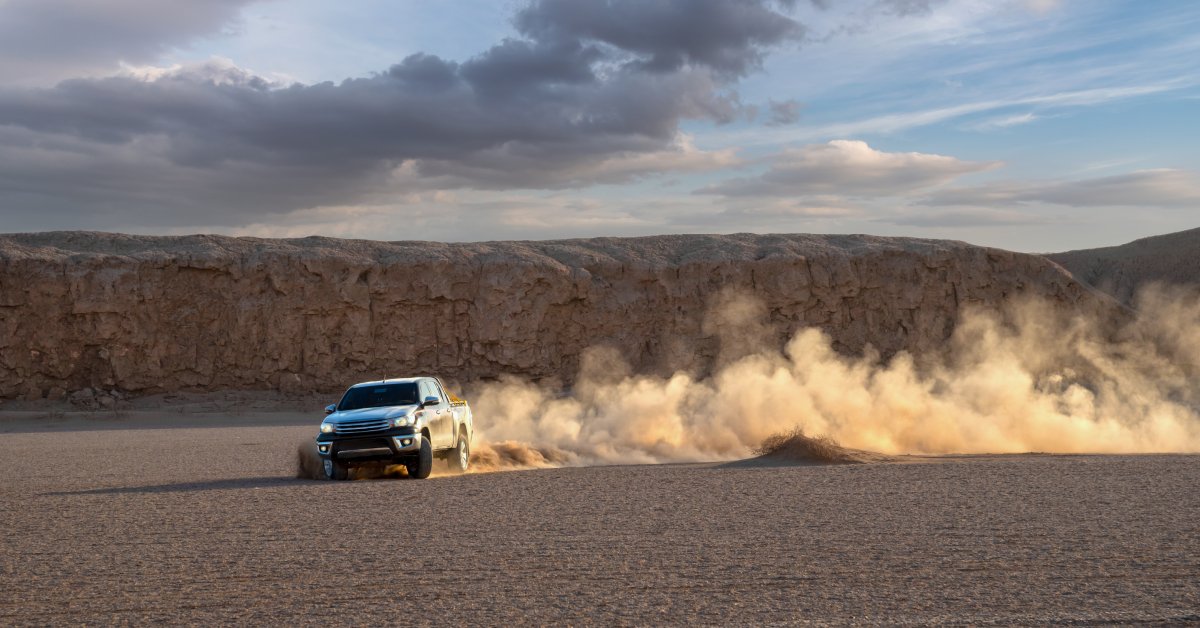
{"x": 335, "y": 470}
{"x": 423, "y": 465}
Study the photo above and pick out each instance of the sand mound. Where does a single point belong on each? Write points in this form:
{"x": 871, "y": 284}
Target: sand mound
{"x": 795, "y": 447}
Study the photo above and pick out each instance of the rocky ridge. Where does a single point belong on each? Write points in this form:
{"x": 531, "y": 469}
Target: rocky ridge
{"x": 1172, "y": 259}
{"x": 97, "y": 315}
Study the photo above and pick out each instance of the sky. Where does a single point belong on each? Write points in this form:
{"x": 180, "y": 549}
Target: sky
{"x": 1032, "y": 125}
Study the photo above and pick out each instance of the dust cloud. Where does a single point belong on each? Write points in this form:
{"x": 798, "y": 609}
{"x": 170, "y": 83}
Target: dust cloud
{"x": 308, "y": 463}
{"x": 310, "y": 466}
{"x": 500, "y": 456}
{"x": 1025, "y": 377}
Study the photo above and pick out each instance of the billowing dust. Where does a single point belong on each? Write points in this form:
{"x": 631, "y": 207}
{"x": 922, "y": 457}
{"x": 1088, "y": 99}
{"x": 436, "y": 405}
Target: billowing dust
{"x": 1025, "y": 377}
{"x": 499, "y": 456}
{"x": 308, "y": 463}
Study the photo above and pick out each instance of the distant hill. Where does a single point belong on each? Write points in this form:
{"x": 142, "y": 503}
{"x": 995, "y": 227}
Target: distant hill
{"x": 1121, "y": 270}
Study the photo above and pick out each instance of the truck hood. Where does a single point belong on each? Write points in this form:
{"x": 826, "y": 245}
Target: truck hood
{"x": 383, "y": 412}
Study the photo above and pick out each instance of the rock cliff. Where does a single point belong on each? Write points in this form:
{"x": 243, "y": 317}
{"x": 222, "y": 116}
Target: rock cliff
{"x": 1121, "y": 271}
{"x": 143, "y": 315}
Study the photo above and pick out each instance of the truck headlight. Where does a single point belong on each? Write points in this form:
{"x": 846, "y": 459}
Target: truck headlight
{"x": 326, "y": 428}
{"x": 402, "y": 421}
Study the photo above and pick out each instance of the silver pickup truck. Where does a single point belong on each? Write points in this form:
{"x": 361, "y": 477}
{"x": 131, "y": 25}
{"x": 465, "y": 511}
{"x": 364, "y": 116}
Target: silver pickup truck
{"x": 403, "y": 421}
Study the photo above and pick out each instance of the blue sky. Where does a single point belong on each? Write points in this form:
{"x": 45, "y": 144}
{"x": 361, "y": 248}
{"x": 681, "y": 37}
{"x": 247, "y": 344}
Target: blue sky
{"x": 1037, "y": 125}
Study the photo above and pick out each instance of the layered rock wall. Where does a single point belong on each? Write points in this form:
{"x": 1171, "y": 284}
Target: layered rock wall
{"x": 156, "y": 314}
{"x": 1121, "y": 271}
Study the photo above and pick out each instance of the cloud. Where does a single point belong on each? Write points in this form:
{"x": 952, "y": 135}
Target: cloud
{"x": 964, "y": 219}
{"x": 594, "y": 93}
{"x": 767, "y": 214}
{"x": 449, "y": 217}
{"x": 1043, "y": 6}
{"x": 1163, "y": 188}
{"x": 505, "y": 168}
{"x": 907, "y": 8}
{"x": 728, "y": 36}
{"x": 848, "y": 168}
{"x": 782, "y": 113}
{"x": 1004, "y": 122}
{"x": 902, "y": 121}
{"x": 45, "y": 40}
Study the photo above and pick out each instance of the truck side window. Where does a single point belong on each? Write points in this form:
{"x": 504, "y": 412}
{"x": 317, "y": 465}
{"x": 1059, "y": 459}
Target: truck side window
{"x": 430, "y": 390}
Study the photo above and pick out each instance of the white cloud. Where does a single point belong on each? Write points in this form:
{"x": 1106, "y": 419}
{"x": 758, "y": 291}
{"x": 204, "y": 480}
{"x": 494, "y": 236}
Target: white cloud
{"x": 848, "y": 168}
{"x": 1004, "y": 122}
{"x": 215, "y": 71}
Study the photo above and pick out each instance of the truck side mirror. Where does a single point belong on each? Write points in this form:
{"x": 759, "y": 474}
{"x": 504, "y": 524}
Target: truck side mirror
{"x": 431, "y": 401}
{"x": 330, "y": 409}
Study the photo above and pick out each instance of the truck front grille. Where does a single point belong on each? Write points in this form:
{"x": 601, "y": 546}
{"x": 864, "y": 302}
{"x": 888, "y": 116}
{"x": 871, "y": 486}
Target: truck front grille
{"x": 363, "y": 426}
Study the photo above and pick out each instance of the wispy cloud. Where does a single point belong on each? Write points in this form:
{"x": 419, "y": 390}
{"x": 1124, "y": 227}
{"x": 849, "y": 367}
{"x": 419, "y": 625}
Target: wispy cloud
{"x": 1162, "y": 188}
{"x": 1004, "y": 122}
{"x": 960, "y": 219}
{"x": 896, "y": 122}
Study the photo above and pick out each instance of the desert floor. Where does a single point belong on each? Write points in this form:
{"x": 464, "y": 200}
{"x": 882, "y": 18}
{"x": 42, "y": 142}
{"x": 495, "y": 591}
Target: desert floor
{"x": 135, "y": 521}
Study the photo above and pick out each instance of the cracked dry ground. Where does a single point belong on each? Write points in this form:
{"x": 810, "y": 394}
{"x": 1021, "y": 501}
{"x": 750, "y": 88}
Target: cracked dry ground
{"x": 207, "y": 525}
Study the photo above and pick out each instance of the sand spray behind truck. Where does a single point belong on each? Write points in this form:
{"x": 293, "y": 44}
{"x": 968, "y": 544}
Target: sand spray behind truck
{"x": 1026, "y": 377}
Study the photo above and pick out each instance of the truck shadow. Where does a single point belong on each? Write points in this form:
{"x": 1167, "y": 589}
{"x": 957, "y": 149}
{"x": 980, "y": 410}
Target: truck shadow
{"x": 190, "y": 487}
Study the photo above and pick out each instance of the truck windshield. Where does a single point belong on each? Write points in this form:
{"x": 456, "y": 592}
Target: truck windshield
{"x": 379, "y": 396}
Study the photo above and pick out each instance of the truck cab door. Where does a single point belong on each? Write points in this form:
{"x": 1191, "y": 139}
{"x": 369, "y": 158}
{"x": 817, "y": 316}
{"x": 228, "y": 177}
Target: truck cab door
{"x": 441, "y": 421}
{"x": 455, "y": 413}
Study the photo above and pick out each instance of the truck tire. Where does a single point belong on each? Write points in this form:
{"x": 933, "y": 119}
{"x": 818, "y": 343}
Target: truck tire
{"x": 460, "y": 457}
{"x": 423, "y": 465}
{"x": 335, "y": 470}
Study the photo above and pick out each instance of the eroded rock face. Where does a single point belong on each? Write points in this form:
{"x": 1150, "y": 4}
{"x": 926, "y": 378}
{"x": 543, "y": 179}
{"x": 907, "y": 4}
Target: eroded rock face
{"x": 1121, "y": 271}
{"x": 155, "y": 314}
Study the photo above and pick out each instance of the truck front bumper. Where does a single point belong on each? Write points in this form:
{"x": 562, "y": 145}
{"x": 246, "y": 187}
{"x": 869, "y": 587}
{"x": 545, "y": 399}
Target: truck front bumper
{"x": 391, "y": 444}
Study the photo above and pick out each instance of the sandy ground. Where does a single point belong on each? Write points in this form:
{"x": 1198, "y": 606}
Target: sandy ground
{"x": 209, "y": 525}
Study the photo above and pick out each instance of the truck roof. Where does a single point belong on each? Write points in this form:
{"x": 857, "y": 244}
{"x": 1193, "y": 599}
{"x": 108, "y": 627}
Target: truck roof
{"x": 392, "y": 380}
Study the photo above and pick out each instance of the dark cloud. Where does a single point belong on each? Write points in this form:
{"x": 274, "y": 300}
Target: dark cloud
{"x": 728, "y": 36}
{"x": 569, "y": 105}
{"x": 44, "y": 40}
{"x": 906, "y": 8}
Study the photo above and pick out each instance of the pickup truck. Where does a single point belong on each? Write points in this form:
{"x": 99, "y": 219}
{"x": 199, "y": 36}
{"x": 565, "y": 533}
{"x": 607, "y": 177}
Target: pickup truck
{"x": 406, "y": 421}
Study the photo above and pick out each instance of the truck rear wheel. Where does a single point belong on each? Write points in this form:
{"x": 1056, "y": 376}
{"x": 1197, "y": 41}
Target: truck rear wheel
{"x": 335, "y": 470}
{"x": 460, "y": 457}
{"x": 423, "y": 465}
